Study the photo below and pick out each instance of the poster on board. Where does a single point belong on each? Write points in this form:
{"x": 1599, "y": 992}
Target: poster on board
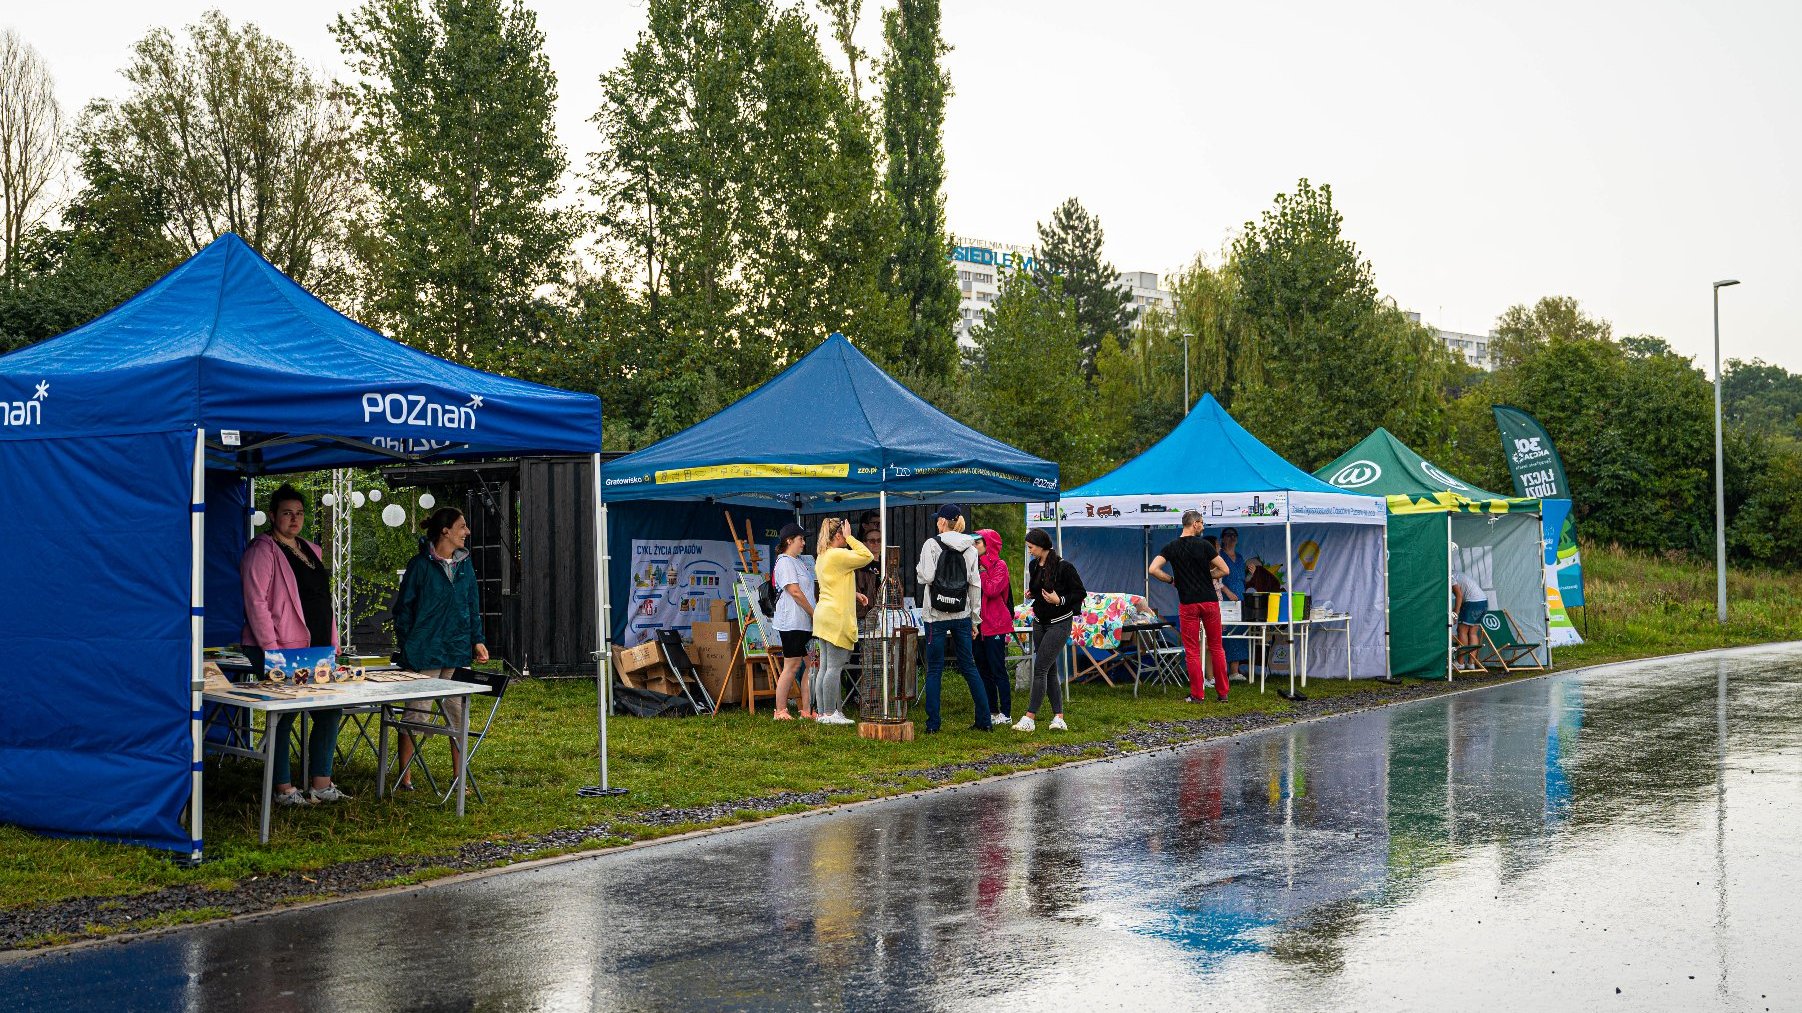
{"x": 675, "y": 582}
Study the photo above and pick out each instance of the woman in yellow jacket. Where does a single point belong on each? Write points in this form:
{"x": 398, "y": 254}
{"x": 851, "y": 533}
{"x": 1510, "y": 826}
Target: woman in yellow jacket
{"x": 837, "y": 559}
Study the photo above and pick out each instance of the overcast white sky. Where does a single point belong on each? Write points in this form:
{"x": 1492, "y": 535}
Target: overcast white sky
{"x": 1624, "y": 153}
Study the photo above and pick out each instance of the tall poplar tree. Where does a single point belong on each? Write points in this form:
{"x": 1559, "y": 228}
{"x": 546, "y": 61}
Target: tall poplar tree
{"x": 463, "y": 162}
{"x": 914, "y": 89}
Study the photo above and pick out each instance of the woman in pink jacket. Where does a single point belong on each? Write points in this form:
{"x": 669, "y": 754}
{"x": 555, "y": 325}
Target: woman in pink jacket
{"x": 997, "y": 624}
{"x": 287, "y": 607}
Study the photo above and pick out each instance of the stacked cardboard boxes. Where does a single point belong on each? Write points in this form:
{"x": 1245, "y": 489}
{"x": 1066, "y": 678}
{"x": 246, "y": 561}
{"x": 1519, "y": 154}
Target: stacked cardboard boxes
{"x": 715, "y": 645}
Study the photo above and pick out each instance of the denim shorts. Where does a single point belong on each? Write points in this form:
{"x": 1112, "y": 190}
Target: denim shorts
{"x": 1472, "y": 612}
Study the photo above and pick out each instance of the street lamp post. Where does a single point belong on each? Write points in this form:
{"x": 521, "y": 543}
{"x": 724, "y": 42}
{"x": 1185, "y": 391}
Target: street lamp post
{"x": 1186, "y": 401}
{"x": 1720, "y": 496}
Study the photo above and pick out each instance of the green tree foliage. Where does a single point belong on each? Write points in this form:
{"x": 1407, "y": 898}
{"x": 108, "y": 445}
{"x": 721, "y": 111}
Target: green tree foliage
{"x": 1027, "y": 379}
{"x": 231, "y": 132}
{"x": 741, "y": 206}
{"x": 1522, "y": 330}
{"x": 461, "y": 158}
{"x": 914, "y": 89}
{"x": 1325, "y": 362}
{"x": 1766, "y": 399}
{"x": 1069, "y": 251}
{"x": 113, "y": 242}
{"x": 1633, "y": 421}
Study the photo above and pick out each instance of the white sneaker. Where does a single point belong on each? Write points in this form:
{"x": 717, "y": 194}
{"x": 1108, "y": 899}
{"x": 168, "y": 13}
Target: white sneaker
{"x": 329, "y": 793}
{"x": 835, "y": 718}
{"x": 293, "y": 796}
{"x": 999, "y": 719}
{"x": 1057, "y": 724}
{"x": 1025, "y": 724}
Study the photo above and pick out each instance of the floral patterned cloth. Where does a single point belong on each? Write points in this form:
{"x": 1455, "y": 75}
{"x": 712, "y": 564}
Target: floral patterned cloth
{"x": 1097, "y": 625}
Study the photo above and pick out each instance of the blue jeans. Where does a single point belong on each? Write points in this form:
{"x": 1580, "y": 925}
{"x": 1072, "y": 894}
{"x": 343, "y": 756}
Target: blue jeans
{"x": 958, "y": 632}
{"x": 321, "y": 742}
{"x": 991, "y": 660}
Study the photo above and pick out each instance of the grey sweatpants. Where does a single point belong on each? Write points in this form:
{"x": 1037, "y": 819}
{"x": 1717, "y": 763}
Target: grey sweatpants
{"x": 828, "y": 681}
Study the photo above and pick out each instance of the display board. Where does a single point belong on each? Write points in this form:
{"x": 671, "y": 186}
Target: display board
{"x": 750, "y": 623}
{"x": 676, "y": 581}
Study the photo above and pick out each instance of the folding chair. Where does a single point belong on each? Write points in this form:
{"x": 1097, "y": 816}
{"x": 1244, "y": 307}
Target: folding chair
{"x": 497, "y": 688}
{"x": 676, "y": 657}
{"x": 1506, "y": 647}
{"x": 1466, "y": 660}
{"x": 358, "y": 719}
{"x": 1167, "y": 668}
{"x": 1089, "y": 664}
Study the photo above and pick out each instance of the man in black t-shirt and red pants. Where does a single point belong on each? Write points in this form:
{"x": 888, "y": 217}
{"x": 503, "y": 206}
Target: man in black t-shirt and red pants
{"x": 1196, "y": 563}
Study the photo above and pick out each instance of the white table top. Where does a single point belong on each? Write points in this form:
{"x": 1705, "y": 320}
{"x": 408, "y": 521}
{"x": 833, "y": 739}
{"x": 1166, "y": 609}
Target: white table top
{"x": 1304, "y": 621}
{"x": 346, "y": 694}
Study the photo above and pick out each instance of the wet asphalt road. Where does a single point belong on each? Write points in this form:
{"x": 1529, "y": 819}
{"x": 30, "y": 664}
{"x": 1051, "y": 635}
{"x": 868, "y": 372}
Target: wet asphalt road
{"x": 1536, "y": 846}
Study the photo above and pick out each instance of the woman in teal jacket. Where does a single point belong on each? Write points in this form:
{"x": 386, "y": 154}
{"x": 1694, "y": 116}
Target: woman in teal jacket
{"x": 438, "y": 619}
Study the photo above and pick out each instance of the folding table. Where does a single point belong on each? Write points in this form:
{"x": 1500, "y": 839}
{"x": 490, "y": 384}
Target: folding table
{"x": 330, "y": 697}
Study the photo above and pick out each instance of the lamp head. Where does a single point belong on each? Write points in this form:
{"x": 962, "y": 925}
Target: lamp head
{"x": 1723, "y": 283}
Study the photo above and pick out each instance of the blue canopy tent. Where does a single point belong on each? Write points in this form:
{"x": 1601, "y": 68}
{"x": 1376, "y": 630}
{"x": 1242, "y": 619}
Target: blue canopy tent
{"x": 832, "y": 430}
{"x": 1209, "y": 462}
{"x": 117, "y": 440}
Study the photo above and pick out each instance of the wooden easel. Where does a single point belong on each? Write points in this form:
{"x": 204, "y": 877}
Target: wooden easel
{"x": 742, "y": 664}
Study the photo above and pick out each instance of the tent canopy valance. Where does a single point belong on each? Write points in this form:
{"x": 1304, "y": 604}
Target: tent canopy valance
{"x": 831, "y": 428}
{"x": 1381, "y": 465}
{"x": 279, "y": 380}
{"x": 1209, "y": 462}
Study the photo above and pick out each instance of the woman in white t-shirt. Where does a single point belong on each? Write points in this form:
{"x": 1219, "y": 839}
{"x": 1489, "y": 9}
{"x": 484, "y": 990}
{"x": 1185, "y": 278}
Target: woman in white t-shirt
{"x": 1469, "y": 601}
{"x": 794, "y": 615}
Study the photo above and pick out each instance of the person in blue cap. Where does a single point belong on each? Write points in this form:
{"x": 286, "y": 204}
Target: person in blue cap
{"x": 952, "y": 582}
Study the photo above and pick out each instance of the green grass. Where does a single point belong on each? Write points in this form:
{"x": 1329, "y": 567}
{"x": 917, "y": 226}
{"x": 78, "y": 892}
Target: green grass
{"x": 1641, "y": 605}
{"x": 544, "y": 748}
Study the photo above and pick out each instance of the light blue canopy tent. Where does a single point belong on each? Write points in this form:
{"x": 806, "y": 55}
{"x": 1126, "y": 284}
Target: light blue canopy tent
{"x": 1318, "y": 538}
{"x": 119, "y": 442}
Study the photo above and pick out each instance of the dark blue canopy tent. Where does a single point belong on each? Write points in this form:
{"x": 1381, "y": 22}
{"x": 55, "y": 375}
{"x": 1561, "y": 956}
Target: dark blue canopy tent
{"x": 832, "y": 428}
{"x": 831, "y": 431}
{"x": 117, "y": 441}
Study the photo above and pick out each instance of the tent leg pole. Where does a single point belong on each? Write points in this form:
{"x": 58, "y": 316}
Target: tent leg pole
{"x": 1451, "y": 629}
{"x": 881, "y": 604}
{"x": 196, "y": 643}
{"x": 603, "y": 620}
{"x": 1289, "y": 600}
{"x": 1066, "y": 652}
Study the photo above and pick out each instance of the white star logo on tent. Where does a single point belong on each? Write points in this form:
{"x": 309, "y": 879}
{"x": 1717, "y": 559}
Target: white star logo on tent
{"x": 43, "y": 390}
{"x": 475, "y": 401}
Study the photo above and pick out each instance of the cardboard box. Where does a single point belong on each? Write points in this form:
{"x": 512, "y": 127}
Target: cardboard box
{"x": 714, "y": 634}
{"x": 635, "y": 659}
{"x": 716, "y": 610}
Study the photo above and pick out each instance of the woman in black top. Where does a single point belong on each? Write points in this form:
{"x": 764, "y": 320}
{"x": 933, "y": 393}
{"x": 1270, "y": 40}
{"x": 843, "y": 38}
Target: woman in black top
{"x": 1056, "y": 592}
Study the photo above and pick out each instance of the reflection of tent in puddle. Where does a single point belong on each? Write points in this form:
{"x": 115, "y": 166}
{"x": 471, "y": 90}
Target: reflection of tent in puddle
{"x": 1275, "y": 829}
{"x": 1479, "y": 770}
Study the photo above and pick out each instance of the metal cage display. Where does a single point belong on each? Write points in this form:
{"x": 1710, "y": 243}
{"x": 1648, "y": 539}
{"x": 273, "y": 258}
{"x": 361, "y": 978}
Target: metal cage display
{"x": 888, "y": 652}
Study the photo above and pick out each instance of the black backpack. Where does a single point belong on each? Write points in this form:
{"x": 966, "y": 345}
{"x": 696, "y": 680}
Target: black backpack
{"x": 768, "y": 595}
{"x": 950, "y": 589}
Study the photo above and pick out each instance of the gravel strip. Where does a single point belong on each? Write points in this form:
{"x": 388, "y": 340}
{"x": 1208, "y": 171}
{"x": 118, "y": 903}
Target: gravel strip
{"x": 119, "y": 914}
